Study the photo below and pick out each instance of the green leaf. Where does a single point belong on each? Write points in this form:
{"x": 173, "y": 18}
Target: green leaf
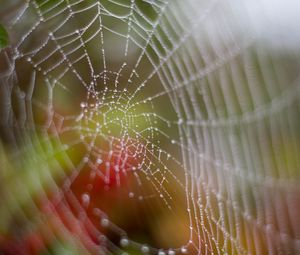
{"x": 3, "y": 37}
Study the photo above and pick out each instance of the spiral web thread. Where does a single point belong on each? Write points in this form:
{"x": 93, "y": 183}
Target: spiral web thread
{"x": 159, "y": 77}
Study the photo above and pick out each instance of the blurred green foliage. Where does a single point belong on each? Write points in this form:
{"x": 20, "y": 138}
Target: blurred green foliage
{"x": 3, "y": 37}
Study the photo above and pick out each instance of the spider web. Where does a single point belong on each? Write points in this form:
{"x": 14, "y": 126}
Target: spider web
{"x": 144, "y": 96}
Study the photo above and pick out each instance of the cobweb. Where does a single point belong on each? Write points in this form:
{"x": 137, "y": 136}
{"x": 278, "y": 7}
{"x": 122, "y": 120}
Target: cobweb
{"x": 153, "y": 98}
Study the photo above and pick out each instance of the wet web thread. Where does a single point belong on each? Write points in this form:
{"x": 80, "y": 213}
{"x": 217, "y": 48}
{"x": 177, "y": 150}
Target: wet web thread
{"x": 171, "y": 94}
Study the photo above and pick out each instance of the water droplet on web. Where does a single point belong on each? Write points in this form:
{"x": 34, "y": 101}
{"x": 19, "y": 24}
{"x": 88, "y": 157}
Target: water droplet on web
{"x": 131, "y": 194}
{"x": 104, "y": 222}
{"x": 161, "y": 253}
{"x": 184, "y": 250}
{"x": 171, "y": 252}
{"x": 102, "y": 238}
{"x": 124, "y": 242}
{"x": 65, "y": 147}
{"x": 145, "y": 249}
{"x": 85, "y": 199}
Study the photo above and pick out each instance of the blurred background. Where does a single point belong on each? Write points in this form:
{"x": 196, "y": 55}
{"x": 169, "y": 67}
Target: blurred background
{"x": 149, "y": 127}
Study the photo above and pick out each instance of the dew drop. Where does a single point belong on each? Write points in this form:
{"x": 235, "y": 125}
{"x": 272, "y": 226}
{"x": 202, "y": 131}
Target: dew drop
{"x": 171, "y": 252}
{"x": 145, "y": 249}
{"x": 85, "y": 199}
{"x": 124, "y": 242}
{"x": 102, "y": 238}
{"x": 184, "y": 250}
{"x": 104, "y": 222}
